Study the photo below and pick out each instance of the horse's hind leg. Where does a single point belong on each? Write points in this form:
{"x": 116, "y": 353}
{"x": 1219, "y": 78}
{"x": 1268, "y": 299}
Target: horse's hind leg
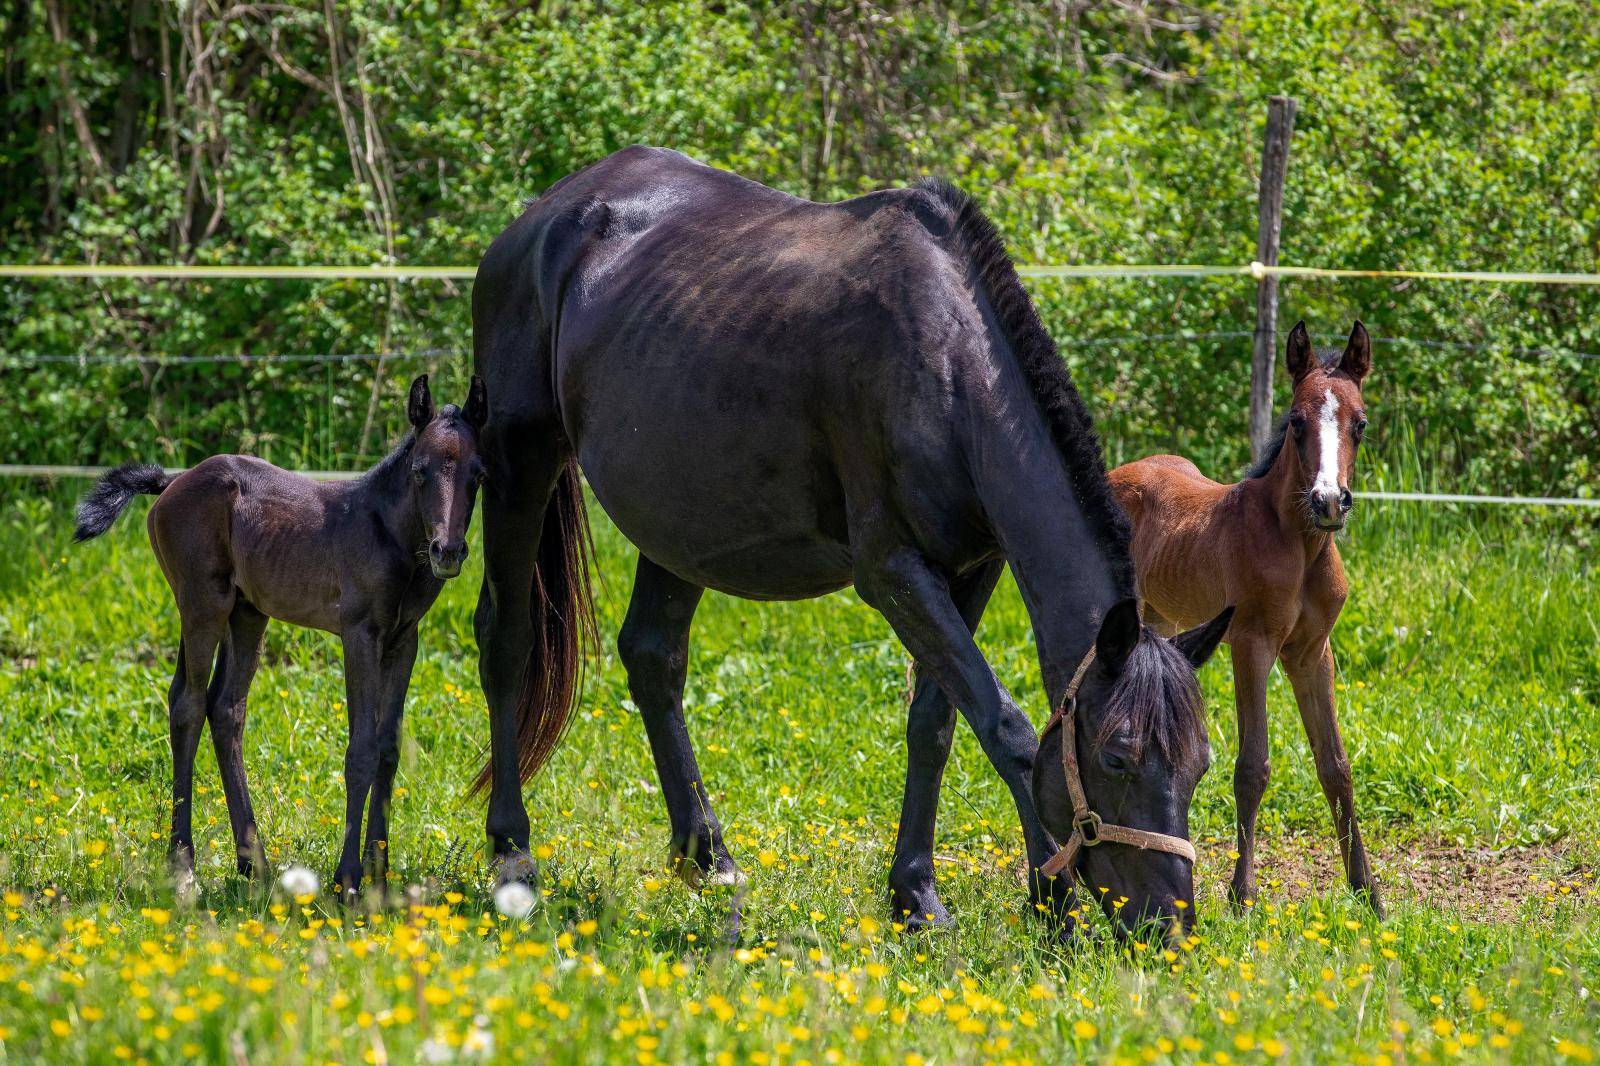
{"x": 522, "y": 477}
{"x": 225, "y": 709}
{"x": 654, "y": 645}
{"x": 930, "y": 728}
{"x": 186, "y": 718}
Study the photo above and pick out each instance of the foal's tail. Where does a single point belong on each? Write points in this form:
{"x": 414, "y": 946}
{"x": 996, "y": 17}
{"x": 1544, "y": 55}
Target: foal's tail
{"x": 102, "y": 504}
{"x": 563, "y": 628}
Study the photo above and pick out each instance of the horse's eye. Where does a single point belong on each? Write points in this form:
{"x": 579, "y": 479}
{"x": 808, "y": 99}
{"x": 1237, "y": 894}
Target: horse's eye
{"x": 1297, "y": 423}
{"x": 419, "y": 475}
{"x": 1360, "y": 428}
{"x": 1115, "y": 764}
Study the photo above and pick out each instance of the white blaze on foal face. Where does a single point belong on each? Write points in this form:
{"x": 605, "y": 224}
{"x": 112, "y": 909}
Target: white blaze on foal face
{"x": 1328, "y": 447}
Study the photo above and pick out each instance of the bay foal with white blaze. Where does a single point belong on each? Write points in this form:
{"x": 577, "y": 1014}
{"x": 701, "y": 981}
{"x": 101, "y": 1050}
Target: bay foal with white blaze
{"x": 1267, "y": 545}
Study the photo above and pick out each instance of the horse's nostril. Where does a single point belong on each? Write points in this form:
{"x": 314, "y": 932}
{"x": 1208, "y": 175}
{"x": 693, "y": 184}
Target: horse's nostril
{"x": 1345, "y": 499}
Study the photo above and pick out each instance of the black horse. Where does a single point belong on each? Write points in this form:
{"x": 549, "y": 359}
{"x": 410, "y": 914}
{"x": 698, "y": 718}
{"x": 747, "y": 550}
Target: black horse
{"x": 776, "y": 399}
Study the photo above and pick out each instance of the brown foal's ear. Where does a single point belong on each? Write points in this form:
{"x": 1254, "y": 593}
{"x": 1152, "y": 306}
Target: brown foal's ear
{"x": 1299, "y": 355}
{"x": 476, "y": 412}
{"x": 1357, "y": 359}
{"x": 419, "y": 405}
{"x": 1119, "y": 634}
{"x": 1199, "y": 643}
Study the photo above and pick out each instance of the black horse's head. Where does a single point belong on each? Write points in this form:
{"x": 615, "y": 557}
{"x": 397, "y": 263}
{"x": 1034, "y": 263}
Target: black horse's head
{"x": 446, "y": 470}
{"x": 1142, "y": 747}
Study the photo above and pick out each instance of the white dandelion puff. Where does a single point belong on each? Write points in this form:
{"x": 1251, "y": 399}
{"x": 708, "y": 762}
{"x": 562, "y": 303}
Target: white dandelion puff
{"x": 514, "y": 899}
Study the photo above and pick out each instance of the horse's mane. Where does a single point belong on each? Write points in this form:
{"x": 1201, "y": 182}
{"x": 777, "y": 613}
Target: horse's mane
{"x": 1047, "y": 376}
{"x": 1158, "y": 699}
{"x": 1269, "y": 455}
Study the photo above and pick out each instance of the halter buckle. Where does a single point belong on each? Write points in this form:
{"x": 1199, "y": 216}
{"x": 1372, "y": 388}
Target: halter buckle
{"x": 1088, "y": 827}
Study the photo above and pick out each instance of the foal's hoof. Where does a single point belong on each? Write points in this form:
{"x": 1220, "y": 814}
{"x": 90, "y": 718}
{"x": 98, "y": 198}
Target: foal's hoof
{"x": 1368, "y": 894}
{"x": 515, "y": 866}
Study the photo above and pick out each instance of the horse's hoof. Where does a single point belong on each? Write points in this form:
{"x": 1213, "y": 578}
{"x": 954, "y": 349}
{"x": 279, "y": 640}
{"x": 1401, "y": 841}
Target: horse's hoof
{"x": 918, "y": 912}
{"x": 515, "y": 866}
{"x": 726, "y": 875}
{"x": 1368, "y": 894}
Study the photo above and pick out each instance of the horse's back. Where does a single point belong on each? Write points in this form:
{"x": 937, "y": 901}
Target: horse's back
{"x": 1181, "y": 535}
{"x": 237, "y": 524}
{"x": 717, "y": 341}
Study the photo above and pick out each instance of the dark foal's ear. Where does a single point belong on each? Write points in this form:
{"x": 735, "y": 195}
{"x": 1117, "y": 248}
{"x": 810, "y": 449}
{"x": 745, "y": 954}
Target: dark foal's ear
{"x": 1199, "y": 643}
{"x": 476, "y": 412}
{"x": 1357, "y": 359}
{"x": 419, "y": 406}
{"x": 1298, "y": 354}
{"x": 1119, "y": 633}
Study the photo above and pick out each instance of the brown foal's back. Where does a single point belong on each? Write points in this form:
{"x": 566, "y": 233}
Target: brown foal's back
{"x": 1266, "y": 546}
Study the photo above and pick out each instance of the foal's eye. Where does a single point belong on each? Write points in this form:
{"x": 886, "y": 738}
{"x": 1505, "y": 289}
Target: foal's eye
{"x": 1297, "y": 423}
{"x": 1115, "y": 764}
{"x": 1360, "y": 428}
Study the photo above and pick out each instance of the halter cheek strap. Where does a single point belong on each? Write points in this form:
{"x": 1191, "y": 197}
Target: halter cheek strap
{"x": 1087, "y": 828}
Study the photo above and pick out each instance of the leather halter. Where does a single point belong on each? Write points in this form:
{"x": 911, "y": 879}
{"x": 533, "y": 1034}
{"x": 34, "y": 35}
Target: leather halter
{"x": 1087, "y": 828}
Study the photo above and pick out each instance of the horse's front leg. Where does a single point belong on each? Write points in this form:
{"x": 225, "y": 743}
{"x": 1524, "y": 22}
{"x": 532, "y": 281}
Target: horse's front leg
{"x": 654, "y": 645}
{"x": 917, "y": 602}
{"x": 930, "y": 728}
{"x": 1253, "y": 654}
{"x": 398, "y": 661}
{"x": 363, "y": 683}
{"x": 1310, "y": 670}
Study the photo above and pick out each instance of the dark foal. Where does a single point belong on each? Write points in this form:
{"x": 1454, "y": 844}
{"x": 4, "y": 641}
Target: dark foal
{"x": 241, "y": 541}
{"x": 1267, "y": 545}
{"x": 777, "y": 399}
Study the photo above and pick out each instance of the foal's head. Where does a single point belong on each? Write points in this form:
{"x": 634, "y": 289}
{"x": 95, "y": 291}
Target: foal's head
{"x": 1142, "y": 748}
{"x": 446, "y": 470}
{"x": 1326, "y": 422}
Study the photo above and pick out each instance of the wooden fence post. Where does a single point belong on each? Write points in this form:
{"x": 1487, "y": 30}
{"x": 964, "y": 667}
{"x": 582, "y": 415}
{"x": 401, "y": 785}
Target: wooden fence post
{"x": 1274, "y": 167}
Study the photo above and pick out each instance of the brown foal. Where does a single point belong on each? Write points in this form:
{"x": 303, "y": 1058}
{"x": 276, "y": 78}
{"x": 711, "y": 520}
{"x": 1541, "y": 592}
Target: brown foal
{"x": 241, "y": 542}
{"x": 1266, "y": 545}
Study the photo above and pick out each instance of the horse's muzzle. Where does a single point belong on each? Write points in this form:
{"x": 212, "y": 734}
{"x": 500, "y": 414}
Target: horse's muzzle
{"x": 446, "y": 558}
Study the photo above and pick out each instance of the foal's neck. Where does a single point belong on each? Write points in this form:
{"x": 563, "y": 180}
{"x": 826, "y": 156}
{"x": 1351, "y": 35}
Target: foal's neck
{"x": 1285, "y": 485}
{"x": 385, "y": 492}
{"x": 1067, "y": 570}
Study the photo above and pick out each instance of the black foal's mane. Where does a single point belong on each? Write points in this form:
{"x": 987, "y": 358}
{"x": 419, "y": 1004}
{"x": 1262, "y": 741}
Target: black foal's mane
{"x": 1047, "y": 375}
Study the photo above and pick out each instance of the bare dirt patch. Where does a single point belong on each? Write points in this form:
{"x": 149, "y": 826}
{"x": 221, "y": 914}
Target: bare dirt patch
{"x": 1482, "y": 883}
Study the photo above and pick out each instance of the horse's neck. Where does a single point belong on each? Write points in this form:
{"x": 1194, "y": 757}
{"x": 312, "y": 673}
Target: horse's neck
{"x": 1284, "y": 486}
{"x": 1064, "y": 570}
{"x": 385, "y": 493}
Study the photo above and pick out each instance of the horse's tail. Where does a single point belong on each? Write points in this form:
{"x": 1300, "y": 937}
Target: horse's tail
{"x": 111, "y": 495}
{"x": 563, "y": 629}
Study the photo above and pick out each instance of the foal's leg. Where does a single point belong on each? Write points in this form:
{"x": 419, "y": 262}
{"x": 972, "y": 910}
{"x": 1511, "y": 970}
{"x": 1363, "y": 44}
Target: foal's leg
{"x": 226, "y": 711}
{"x": 364, "y": 690}
{"x": 1253, "y": 654}
{"x": 654, "y": 645}
{"x": 397, "y": 665}
{"x": 186, "y": 719}
{"x": 930, "y": 727}
{"x": 1310, "y": 670}
{"x": 917, "y": 603}
{"x": 522, "y": 475}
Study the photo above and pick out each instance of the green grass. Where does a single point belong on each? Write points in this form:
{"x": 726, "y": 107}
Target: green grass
{"x": 1470, "y": 686}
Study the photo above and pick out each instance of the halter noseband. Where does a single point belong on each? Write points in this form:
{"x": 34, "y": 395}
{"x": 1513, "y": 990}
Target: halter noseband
{"x": 1087, "y": 828}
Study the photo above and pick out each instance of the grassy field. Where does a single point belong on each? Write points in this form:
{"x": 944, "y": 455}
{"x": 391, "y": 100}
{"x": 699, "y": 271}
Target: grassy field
{"x": 1471, "y": 704}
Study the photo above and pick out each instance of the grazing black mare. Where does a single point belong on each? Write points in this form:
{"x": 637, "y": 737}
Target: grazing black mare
{"x": 242, "y": 542}
{"x": 776, "y": 399}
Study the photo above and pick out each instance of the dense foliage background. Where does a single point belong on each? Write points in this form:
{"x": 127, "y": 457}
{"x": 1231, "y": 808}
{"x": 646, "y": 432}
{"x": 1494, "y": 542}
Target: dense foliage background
{"x": 223, "y": 131}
